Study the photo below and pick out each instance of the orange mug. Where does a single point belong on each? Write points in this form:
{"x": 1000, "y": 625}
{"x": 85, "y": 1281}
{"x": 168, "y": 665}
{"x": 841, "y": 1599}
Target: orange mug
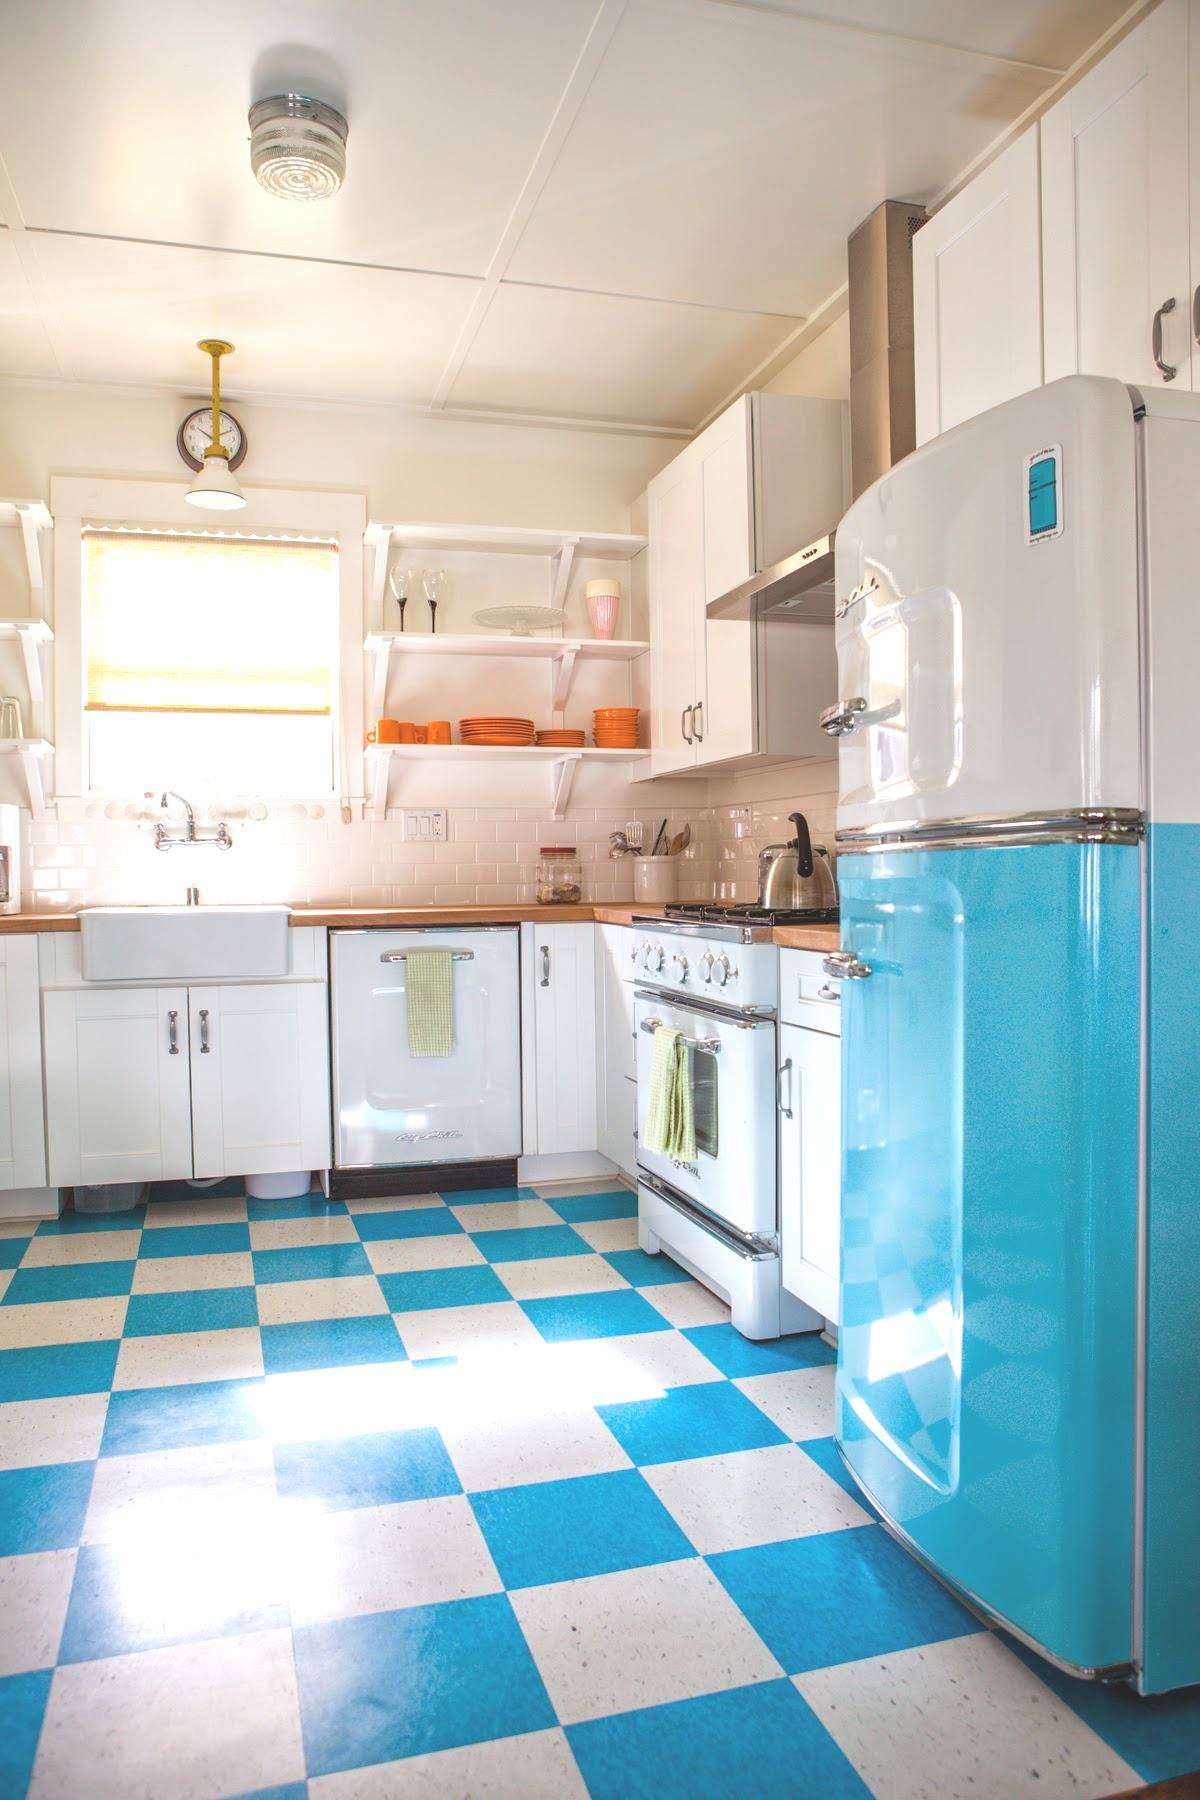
{"x": 421, "y": 734}
{"x": 439, "y": 731}
{"x": 387, "y": 731}
{"x": 405, "y": 733}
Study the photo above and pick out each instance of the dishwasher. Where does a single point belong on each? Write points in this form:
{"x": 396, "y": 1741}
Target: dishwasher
{"x": 402, "y": 1122}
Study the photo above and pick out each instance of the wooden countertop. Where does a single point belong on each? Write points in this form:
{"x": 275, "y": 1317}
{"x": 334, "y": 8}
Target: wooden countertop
{"x": 806, "y": 937}
{"x": 38, "y": 921}
{"x": 623, "y": 914}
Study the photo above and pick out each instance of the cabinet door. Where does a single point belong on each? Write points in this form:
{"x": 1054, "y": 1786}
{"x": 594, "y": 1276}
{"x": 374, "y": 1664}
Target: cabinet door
{"x": 564, "y": 1006}
{"x": 977, "y": 293}
{"x": 260, "y": 1078}
{"x": 1115, "y": 210}
{"x": 676, "y": 529}
{"x": 810, "y": 1095}
{"x": 615, "y": 1064}
{"x": 22, "y": 1119}
{"x": 117, "y": 1100}
{"x": 725, "y": 661}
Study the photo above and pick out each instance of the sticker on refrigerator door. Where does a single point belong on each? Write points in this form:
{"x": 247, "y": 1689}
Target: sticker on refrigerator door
{"x": 1042, "y": 499}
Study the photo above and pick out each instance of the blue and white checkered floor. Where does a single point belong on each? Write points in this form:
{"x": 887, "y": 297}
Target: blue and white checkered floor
{"x": 467, "y": 1496}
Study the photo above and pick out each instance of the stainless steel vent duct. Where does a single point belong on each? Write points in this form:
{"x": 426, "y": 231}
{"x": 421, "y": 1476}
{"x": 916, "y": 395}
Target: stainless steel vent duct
{"x": 882, "y": 396}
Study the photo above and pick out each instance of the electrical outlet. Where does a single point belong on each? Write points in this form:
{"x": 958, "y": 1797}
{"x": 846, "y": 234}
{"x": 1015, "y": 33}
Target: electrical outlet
{"x": 427, "y": 826}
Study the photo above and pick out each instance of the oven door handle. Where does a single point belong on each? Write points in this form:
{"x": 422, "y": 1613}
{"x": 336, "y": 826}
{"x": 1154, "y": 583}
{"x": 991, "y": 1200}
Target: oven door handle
{"x": 711, "y": 1046}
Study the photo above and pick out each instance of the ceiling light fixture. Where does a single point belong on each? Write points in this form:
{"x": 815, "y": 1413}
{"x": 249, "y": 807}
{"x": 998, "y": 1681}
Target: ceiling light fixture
{"x": 216, "y": 486}
{"x": 298, "y": 147}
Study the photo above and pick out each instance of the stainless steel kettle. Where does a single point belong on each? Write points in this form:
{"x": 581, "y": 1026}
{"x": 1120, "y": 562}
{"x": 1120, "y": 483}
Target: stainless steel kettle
{"x": 796, "y": 876}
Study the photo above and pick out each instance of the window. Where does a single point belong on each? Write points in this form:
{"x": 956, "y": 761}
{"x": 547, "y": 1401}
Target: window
{"x": 210, "y": 661}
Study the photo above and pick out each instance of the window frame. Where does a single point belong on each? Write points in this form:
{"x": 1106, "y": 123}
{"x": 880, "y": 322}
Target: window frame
{"x": 76, "y": 501}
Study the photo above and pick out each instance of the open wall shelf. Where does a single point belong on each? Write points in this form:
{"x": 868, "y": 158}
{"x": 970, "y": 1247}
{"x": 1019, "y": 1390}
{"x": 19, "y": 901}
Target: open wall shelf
{"x": 562, "y": 653}
{"x": 560, "y": 765}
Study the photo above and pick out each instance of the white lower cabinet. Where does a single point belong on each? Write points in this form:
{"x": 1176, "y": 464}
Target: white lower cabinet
{"x": 810, "y": 1144}
{"x": 156, "y": 1084}
{"x": 559, "y": 994}
{"x": 616, "y": 1091}
{"x": 22, "y": 1140}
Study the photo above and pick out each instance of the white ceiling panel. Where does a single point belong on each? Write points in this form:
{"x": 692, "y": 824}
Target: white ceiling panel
{"x": 723, "y": 154}
{"x": 127, "y": 118}
{"x": 24, "y": 346}
{"x": 133, "y": 312}
{"x": 1049, "y": 35}
{"x": 605, "y": 358}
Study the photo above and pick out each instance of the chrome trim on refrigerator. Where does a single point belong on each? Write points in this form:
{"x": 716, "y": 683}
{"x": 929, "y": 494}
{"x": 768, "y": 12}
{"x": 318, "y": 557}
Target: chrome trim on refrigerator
{"x": 1140, "y": 1356}
{"x": 753, "y": 1249}
{"x": 843, "y": 965}
{"x": 1082, "y": 825}
{"x": 1109, "y": 1672}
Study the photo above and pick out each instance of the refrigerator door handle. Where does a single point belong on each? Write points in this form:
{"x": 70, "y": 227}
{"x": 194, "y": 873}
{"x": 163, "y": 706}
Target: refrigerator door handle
{"x": 1167, "y": 370}
{"x": 843, "y": 965}
{"x": 842, "y": 717}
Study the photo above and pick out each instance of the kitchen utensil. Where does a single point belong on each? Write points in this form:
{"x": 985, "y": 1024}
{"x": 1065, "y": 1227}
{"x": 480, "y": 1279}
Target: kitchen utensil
{"x": 434, "y": 582}
{"x": 635, "y": 835}
{"x": 654, "y": 878}
{"x": 618, "y": 844}
{"x": 659, "y": 839}
{"x": 520, "y": 621}
{"x": 399, "y": 582}
{"x": 797, "y": 874}
{"x": 681, "y": 840}
{"x": 603, "y": 599}
{"x": 11, "y": 725}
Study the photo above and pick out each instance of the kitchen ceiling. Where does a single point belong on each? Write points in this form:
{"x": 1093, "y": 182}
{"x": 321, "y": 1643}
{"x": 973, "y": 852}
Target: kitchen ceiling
{"x": 611, "y": 211}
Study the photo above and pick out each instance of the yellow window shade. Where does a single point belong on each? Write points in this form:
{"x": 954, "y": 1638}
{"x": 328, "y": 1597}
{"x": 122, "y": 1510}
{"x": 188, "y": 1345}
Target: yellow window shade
{"x": 203, "y": 623}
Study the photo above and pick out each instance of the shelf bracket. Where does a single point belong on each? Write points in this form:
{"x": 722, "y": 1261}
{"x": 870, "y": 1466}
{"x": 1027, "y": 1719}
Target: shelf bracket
{"x": 564, "y": 670}
{"x": 31, "y": 636}
{"x": 563, "y": 561}
{"x": 562, "y": 780}
{"x": 32, "y": 518}
{"x": 34, "y": 785}
{"x": 383, "y": 770}
{"x": 380, "y": 536}
{"x": 380, "y": 654}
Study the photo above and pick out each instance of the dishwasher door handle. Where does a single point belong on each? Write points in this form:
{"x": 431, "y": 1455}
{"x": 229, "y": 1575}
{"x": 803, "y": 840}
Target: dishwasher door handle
{"x": 395, "y": 956}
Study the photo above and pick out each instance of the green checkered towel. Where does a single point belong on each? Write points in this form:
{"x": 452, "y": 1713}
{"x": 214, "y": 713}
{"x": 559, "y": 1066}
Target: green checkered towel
{"x": 670, "y": 1120}
{"x": 430, "y": 982}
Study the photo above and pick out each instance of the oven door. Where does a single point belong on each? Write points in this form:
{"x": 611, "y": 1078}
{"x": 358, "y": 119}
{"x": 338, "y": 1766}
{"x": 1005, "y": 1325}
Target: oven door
{"x": 731, "y": 1065}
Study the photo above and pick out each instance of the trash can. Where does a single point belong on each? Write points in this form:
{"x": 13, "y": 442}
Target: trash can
{"x": 110, "y": 1197}
{"x": 279, "y": 1187}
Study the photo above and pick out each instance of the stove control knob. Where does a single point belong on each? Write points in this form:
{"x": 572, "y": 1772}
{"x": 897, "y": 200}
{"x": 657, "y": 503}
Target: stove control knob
{"x": 722, "y": 970}
{"x": 647, "y": 952}
{"x": 705, "y": 966}
{"x": 658, "y": 960}
{"x": 681, "y": 967}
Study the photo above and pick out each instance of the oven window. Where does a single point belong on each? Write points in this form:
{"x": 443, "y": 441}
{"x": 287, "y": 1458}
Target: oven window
{"x": 704, "y": 1099}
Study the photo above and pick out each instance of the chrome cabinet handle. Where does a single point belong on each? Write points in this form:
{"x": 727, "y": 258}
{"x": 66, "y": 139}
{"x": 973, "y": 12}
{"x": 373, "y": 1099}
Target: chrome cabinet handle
{"x": 780, "y": 1072}
{"x": 843, "y": 965}
{"x": 842, "y": 717}
{"x": 172, "y": 1034}
{"x": 686, "y": 714}
{"x": 825, "y": 992}
{"x": 205, "y": 1048}
{"x": 1167, "y": 370}
{"x": 697, "y": 715}
{"x": 1196, "y": 315}
{"x": 545, "y": 951}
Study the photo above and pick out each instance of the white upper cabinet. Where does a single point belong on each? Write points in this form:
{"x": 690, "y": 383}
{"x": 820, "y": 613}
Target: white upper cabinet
{"x": 977, "y": 293}
{"x": 760, "y": 482}
{"x": 1116, "y": 231}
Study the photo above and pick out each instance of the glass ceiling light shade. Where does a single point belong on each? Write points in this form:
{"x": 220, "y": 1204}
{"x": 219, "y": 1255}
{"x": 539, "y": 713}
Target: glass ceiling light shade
{"x": 216, "y": 486}
{"x": 298, "y": 147}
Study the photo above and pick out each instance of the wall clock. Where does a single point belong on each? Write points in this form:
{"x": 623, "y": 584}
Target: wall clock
{"x": 195, "y": 435}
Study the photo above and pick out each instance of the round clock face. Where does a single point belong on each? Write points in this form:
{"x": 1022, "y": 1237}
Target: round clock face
{"x": 195, "y": 435}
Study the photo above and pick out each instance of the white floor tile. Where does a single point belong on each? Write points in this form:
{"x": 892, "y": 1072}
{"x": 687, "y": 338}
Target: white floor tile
{"x": 191, "y": 1493}
{"x": 394, "y": 1203}
{"x": 11, "y": 1228}
{"x": 81, "y": 1247}
{"x": 344, "y": 1402}
{"x": 961, "y": 1720}
{"x": 379, "y": 1558}
{"x": 196, "y": 1212}
{"x": 178, "y": 1357}
{"x": 639, "y": 1638}
{"x": 537, "y": 1765}
{"x": 595, "y": 1184}
{"x": 551, "y": 1275}
{"x": 184, "y": 1274}
{"x": 293, "y": 1234}
{"x": 637, "y": 1367}
{"x": 60, "y": 1322}
{"x": 504, "y": 1215}
{"x": 799, "y": 1401}
{"x": 66, "y": 1429}
{"x": 194, "y": 1722}
{"x": 341, "y": 1297}
{"x": 34, "y": 1591}
{"x": 400, "y": 1256}
{"x": 752, "y": 1497}
{"x": 609, "y": 1234}
{"x": 686, "y": 1303}
{"x": 492, "y": 1453}
{"x": 466, "y": 1330}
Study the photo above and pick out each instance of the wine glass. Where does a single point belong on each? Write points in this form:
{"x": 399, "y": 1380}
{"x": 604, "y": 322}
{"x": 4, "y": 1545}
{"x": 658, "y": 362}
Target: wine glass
{"x": 399, "y": 582}
{"x": 434, "y": 582}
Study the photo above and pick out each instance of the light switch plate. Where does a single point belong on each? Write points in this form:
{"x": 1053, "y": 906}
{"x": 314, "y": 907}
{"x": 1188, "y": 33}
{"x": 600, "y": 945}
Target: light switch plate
{"x": 426, "y": 824}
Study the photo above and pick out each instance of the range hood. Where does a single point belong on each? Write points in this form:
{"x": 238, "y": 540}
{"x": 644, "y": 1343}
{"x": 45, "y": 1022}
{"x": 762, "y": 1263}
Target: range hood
{"x": 801, "y": 586}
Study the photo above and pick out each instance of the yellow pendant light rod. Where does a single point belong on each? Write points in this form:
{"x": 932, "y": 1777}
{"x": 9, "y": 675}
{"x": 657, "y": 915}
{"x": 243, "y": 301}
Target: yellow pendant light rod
{"x": 216, "y": 348}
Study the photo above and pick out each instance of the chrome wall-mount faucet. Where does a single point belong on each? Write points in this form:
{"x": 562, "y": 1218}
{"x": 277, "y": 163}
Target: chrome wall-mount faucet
{"x": 166, "y": 839}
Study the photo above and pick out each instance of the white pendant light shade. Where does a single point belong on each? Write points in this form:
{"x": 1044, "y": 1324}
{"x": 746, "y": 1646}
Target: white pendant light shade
{"x": 297, "y": 147}
{"x": 216, "y": 486}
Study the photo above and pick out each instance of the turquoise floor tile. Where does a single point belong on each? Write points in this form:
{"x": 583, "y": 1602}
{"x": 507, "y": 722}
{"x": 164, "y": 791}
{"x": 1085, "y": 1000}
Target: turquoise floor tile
{"x": 68, "y": 1223}
{"x": 399, "y": 1684}
{"x": 640, "y": 1270}
{"x": 488, "y": 1196}
{"x": 420, "y": 1221}
{"x": 615, "y": 1313}
{"x": 379, "y": 1468}
{"x": 306, "y": 1206}
{"x": 175, "y": 1418}
{"x": 311, "y": 1262}
{"x": 421, "y": 1290}
{"x": 735, "y": 1355}
{"x": 708, "y": 1419}
{"x": 824, "y": 1452}
{"x": 763, "y": 1740}
{"x": 144, "y": 1595}
{"x": 22, "y": 1708}
{"x": 51, "y": 1370}
{"x": 43, "y": 1508}
{"x": 586, "y": 1209}
{"x": 548, "y": 1531}
{"x": 13, "y": 1249}
{"x": 329, "y": 1344}
{"x": 1156, "y": 1734}
{"x": 194, "y": 1309}
{"x": 74, "y": 1281}
{"x": 862, "y": 1596}
{"x": 531, "y": 1243}
{"x": 195, "y": 1240}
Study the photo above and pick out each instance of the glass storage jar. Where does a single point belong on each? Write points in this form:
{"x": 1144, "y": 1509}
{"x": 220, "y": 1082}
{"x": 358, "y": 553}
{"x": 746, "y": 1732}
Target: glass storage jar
{"x": 559, "y": 876}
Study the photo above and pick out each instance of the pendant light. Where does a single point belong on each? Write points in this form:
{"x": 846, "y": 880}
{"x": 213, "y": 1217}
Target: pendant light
{"x": 216, "y": 486}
